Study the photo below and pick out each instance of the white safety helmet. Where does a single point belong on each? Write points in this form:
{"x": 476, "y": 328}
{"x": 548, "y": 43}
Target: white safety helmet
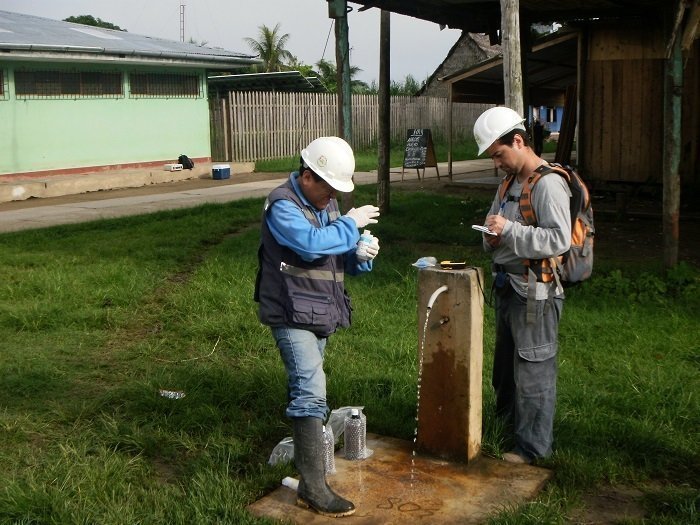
{"x": 493, "y": 123}
{"x": 332, "y": 159}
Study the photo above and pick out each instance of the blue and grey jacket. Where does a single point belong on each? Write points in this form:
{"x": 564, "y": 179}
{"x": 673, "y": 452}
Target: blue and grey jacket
{"x": 292, "y": 289}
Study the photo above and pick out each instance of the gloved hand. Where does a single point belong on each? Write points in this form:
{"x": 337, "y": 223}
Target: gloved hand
{"x": 372, "y": 249}
{"x": 363, "y": 215}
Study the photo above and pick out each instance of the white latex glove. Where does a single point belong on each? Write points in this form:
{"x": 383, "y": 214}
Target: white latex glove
{"x": 373, "y": 249}
{"x": 363, "y": 215}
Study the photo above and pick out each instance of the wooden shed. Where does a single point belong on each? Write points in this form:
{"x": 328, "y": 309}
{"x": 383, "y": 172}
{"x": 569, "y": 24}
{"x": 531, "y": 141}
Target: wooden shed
{"x": 634, "y": 103}
{"x": 616, "y": 77}
{"x": 622, "y": 118}
{"x": 610, "y": 76}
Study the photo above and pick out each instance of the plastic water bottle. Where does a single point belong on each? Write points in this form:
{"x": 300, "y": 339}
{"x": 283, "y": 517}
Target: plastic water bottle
{"x": 354, "y": 437}
{"x": 328, "y": 450}
{"x": 362, "y": 244}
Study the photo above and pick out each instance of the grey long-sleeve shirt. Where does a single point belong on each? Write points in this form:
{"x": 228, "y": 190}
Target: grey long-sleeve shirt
{"x": 551, "y": 237}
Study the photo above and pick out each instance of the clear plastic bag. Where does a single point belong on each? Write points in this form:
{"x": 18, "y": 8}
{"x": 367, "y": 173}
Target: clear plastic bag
{"x": 425, "y": 262}
{"x": 283, "y": 452}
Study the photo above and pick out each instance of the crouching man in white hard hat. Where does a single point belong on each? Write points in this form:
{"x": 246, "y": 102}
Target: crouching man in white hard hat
{"x": 307, "y": 247}
{"x": 528, "y": 302}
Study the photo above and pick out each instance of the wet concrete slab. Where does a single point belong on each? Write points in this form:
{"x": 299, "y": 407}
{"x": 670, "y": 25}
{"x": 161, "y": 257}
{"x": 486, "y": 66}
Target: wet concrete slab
{"x": 394, "y": 487}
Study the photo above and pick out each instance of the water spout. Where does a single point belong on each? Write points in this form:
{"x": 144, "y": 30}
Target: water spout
{"x": 433, "y": 297}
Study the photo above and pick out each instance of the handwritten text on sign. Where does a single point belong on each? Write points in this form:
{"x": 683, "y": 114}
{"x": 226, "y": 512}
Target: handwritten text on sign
{"x": 416, "y": 148}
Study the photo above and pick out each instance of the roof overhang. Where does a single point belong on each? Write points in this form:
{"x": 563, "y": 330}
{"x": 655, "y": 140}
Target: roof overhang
{"x": 484, "y": 16}
{"x": 96, "y": 55}
{"x": 282, "y": 81}
{"x": 550, "y": 69}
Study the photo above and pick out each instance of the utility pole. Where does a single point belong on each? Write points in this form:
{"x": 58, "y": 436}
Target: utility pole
{"x": 512, "y": 64}
{"x": 182, "y": 22}
{"x": 383, "y": 175}
{"x": 338, "y": 10}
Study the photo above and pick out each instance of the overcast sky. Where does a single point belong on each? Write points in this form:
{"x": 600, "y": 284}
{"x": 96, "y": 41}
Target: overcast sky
{"x": 417, "y": 47}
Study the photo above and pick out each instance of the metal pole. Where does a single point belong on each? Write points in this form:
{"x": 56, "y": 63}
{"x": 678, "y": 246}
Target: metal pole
{"x": 383, "y": 174}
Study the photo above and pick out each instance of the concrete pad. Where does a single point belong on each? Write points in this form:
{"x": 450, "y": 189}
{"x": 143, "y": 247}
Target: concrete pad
{"x": 60, "y": 185}
{"x": 394, "y": 487}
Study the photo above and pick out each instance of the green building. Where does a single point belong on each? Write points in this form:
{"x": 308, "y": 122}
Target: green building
{"x": 77, "y": 98}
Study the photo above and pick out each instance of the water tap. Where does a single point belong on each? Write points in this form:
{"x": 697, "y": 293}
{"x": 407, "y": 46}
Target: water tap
{"x": 433, "y": 297}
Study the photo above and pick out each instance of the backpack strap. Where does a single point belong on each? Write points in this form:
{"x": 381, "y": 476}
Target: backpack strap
{"x": 534, "y": 270}
{"x": 526, "y": 208}
{"x": 504, "y": 186}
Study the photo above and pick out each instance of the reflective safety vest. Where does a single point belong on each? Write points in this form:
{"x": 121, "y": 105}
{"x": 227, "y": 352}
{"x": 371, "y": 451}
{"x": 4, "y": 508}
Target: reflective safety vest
{"x": 293, "y": 292}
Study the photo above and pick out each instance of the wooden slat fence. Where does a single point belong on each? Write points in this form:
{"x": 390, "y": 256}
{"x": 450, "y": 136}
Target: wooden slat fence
{"x": 251, "y": 126}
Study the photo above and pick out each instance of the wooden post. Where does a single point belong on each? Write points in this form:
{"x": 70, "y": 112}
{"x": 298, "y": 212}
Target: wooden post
{"x": 673, "y": 73}
{"x": 450, "y": 396}
{"x": 383, "y": 175}
{"x": 449, "y": 129}
{"x": 225, "y": 120}
{"x": 512, "y": 66}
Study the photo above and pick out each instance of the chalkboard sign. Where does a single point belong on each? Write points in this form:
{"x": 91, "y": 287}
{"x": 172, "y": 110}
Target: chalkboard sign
{"x": 419, "y": 151}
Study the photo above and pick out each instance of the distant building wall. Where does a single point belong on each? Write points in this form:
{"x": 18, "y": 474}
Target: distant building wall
{"x": 69, "y": 117}
{"x": 468, "y": 50}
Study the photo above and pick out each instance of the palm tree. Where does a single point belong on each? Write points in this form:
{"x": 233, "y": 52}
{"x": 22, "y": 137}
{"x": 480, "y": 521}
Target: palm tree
{"x": 270, "y": 48}
{"x": 327, "y": 72}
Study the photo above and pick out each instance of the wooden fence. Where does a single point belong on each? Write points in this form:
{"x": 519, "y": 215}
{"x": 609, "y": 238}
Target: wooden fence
{"x": 251, "y": 126}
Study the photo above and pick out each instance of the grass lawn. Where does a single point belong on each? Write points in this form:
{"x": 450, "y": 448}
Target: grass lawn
{"x": 97, "y": 318}
{"x": 366, "y": 160}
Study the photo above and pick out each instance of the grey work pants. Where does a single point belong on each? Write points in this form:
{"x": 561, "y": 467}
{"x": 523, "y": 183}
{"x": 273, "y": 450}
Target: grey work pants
{"x": 525, "y": 369}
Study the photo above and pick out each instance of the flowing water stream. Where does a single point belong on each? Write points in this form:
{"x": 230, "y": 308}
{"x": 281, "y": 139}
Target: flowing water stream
{"x": 420, "y": 378}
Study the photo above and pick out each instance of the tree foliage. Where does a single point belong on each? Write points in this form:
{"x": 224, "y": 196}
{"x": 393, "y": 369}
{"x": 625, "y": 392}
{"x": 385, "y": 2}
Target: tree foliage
{"x": 408, "y": 87}
{"x": 328, "y": 73}
{"x": 270, "y": 48}
{"x": 89, "y": 20}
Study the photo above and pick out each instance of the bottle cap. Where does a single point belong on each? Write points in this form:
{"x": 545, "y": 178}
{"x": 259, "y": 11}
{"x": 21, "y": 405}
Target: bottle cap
{"x": 355, "y": 413}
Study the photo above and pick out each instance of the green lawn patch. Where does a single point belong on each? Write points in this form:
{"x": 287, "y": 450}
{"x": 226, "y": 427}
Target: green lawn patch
{"x": 97, "y": 318}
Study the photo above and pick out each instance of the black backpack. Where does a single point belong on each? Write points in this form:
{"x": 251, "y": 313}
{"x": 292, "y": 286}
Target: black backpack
{"x": 186, "y": 162}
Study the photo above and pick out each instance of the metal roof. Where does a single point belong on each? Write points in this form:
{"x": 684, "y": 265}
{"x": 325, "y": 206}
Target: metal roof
{"x": 27, "y": 37}
{"x": 287, "y": 81}
{"x": 550, "y": 69}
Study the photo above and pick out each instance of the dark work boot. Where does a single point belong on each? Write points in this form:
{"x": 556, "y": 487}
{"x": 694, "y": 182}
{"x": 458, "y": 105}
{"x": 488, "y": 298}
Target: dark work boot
{"x": 313, "y": 490}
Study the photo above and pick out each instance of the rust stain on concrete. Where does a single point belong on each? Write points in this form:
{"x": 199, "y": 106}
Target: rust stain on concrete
{"x": 394, "y": 487}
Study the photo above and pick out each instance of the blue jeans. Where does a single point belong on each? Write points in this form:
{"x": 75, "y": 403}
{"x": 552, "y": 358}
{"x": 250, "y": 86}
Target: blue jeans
{"x": 525, "y": 369}
{"x": 302, "y": 354}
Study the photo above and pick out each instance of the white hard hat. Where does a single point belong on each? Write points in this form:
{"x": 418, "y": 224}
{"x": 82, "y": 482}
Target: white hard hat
{"x": 332, "y": 159}
{"x": 493, "y": 123}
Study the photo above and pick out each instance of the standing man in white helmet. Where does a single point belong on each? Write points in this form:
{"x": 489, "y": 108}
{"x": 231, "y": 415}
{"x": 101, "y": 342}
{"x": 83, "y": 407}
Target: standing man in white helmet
{"x": 306, "y": 249}
{"x": 528, "y": 301}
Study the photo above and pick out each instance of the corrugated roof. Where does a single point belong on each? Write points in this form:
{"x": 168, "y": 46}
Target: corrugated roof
{"x": 31, "y": 37}
{"x": 287, "y": 81}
